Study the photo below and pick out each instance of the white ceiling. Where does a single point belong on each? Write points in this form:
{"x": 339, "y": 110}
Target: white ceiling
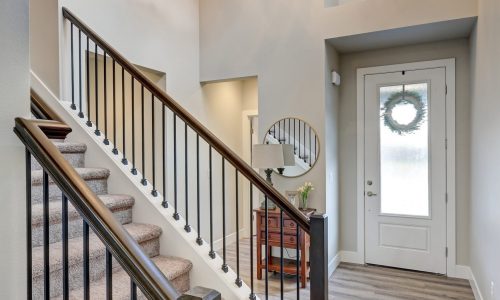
{"x": 433, "y": 32}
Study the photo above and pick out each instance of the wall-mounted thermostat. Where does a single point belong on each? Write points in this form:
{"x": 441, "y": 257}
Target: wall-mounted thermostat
{"x": 335, "y": 78}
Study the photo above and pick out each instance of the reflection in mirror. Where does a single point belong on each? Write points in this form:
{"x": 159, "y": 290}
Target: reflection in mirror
{"x": 305, "y": 143}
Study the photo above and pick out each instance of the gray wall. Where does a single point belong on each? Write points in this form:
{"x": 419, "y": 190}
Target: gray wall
{"x": 14, "y": 84}
{"x": 349, "y": 63}
{"x": 485, "y": 149}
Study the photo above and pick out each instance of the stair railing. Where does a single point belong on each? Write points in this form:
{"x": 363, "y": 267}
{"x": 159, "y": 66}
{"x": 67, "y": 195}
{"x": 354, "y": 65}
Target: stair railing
{"x": 35, "y": 134}
{"x": 137, "y": 119}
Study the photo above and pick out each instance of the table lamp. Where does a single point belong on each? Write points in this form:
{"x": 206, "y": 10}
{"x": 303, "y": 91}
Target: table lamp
{"x": 272, "y": 156}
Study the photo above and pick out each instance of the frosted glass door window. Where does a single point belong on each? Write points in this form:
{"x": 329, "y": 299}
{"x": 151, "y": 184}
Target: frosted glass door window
{"x": 404, "y": 150}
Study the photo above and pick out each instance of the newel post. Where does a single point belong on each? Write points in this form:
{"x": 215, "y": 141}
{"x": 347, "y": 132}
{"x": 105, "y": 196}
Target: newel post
{"x": 319, "y": 257}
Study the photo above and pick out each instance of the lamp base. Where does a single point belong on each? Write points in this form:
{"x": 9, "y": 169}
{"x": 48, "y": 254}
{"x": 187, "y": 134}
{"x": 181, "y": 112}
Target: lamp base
{"x": 270, "y": 205}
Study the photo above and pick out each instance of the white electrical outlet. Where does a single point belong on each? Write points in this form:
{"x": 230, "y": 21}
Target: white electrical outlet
{"x": 492, "y": 289}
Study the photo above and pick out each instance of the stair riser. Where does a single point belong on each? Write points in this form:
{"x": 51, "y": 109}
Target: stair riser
{"x": 77, "y": 160}
{"x": 98, "y": 186}
{"x": 123, "y": 215}
{"x": 97, "y": 270}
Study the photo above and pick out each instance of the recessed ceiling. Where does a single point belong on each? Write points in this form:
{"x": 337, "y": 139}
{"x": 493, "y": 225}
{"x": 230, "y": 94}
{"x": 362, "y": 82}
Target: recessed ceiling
{"x": 427, "y": 33}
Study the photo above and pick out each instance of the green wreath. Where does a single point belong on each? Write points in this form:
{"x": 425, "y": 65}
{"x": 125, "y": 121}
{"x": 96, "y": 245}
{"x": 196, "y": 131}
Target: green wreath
{"x": 404, "y": 97}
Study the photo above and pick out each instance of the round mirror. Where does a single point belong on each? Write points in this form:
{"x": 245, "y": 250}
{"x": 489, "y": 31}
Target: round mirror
{"x": 303, "y": 144}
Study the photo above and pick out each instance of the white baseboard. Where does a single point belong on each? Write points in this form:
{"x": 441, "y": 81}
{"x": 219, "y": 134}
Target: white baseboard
{"x": 351, "y": 257}
{"x": 462, "y": 272}
{"x": 333, "y": 264}
{"x": 474, "y": 286}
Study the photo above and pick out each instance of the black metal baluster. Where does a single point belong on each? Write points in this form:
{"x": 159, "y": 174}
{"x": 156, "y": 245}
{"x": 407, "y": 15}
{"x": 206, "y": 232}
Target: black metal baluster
{"x": 124, "y": 141}
{"x": 279, "y": 132}
{"x": 315, "y": 147}
{"x": 154, "y": 192}
{"x": 133, "y": 290}
{"x": 164, "y": 202}
{"x": 86, "y": 261}
{"x": 106, "y": 140}
{"x": 89, "y": 123}
{"x": 73, "y": 106}
{"x": 46, "y": 241}
{"x": 109, "y": 275}
{"x": 266, "y": 239}
{"x": 289, "y": 131}
{"x": 134, "y": 169}
{"x": 176, "y": 213}
{"x": 187, "y": 227}
{"x": 299, "y": 139}
{"x": 310, "y": 147}
{"x": 294, "y": 137}
{"x": 96, "y": 80}
{"x": 143, "y": 180}
{"x": 115, "y": 149}
{"x": 238, "y": 281}
{"x": 29, "y": 243}
{"x": 210, "y": 182}
{"x": 305, "y": 143}
{"x": 199, "y": 241}
{"x": 225, "y": 268}
{"x": 80, "y": 113}
{"x": 65, "y": 237}
{"x": 297, "y": 261}
{"x": 252, "y": 294}
{"x": 281, "y": 254}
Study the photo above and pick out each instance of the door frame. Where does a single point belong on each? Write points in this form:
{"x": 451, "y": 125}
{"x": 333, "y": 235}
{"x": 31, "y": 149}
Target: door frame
{"x": 449, "y": 65}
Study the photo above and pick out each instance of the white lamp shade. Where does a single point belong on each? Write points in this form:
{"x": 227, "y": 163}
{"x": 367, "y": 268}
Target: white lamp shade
{"x": 288, "y": 155}
{"x": 267, "y": 156}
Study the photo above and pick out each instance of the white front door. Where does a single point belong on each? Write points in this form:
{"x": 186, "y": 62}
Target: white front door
{"x": 405, "y": 170}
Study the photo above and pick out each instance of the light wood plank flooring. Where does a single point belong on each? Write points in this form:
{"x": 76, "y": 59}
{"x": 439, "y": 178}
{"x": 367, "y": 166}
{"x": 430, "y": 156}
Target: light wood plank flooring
{"x": 351, "y": 282}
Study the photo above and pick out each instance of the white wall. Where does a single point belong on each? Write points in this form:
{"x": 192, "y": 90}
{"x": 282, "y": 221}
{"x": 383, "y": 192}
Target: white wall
{"x": 349, "y": 63}
{"x": 282, "y": 43}
{"x": 44, "y": 40}
{"x": 14, "y": 102}
{"x": 485, "y": 146}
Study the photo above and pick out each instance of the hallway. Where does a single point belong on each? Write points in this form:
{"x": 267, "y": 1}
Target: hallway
{"x": 353, "y": 282}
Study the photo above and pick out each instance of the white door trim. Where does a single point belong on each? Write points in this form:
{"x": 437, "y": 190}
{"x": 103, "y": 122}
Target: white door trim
{"x": 449, "y": 65}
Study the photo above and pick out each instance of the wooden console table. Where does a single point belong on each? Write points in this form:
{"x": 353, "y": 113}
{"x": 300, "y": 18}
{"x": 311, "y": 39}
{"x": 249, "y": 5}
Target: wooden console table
{"x": 289, "y": 241}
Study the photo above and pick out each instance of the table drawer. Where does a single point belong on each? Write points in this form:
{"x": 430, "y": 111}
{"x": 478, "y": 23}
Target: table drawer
{"x": 275, "y": 237}
{"x": 271, "y": 222}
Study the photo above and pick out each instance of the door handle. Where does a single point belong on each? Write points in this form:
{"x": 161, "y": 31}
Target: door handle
{"x": 371, "y": 194}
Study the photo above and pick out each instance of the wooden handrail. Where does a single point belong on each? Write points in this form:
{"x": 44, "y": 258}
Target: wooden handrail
{"x": 41, "y": 110}
{"x": 35, "y": 135}
{"x": 195, "y": 125}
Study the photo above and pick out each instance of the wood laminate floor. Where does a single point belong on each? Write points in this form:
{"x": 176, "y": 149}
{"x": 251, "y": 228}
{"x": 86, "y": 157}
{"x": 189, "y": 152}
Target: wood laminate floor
{"x": 352, "y": 282}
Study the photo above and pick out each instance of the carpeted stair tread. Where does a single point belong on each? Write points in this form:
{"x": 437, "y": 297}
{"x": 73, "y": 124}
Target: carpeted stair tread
{"x": 113, "y": 202}
{"x": 174, "y": 268}
{"x": 70, "y": 147}
{"x": 140, "y": 232}
{"x": 85, "y": 173}
{"x": 74, "y": 153}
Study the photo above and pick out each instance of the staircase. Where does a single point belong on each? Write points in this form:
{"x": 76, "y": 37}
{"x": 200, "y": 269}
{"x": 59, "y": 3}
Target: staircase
{"x": 147, "y": 235}
{"x": 95, "y": 249}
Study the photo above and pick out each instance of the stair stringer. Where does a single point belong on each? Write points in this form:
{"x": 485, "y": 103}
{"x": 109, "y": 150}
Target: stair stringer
{"x": 206, "y": 272}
